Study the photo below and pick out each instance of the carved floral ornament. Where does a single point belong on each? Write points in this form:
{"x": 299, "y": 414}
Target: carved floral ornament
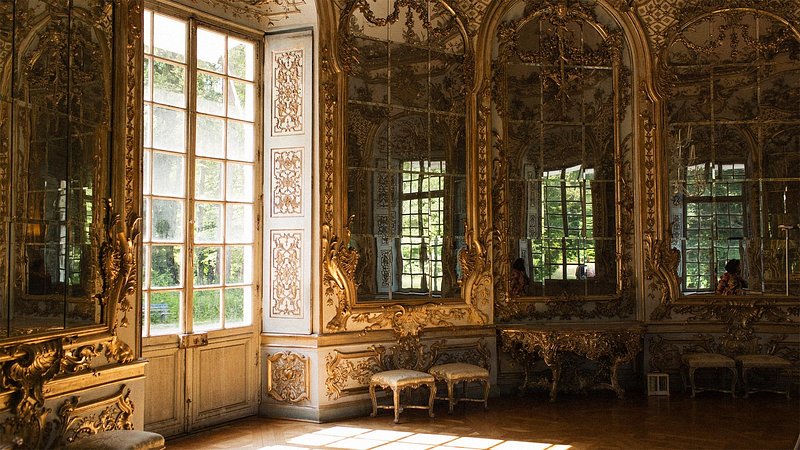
{"x": 288, "y": 377}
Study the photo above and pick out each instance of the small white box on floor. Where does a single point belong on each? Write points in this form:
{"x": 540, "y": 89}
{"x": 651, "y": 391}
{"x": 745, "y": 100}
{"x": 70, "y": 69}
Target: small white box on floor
{"x": 657, "y": 384}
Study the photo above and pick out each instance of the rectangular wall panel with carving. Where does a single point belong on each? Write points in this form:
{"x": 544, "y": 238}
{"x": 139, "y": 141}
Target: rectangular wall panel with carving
{"x": 287, "y": 184}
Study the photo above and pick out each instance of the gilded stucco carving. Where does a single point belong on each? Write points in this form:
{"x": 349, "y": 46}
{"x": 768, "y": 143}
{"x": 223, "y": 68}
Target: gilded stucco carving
{"x": 661, "y": 266}
{"x": 287, "y": 182}
{"x": 74, "y": 422}
{"x": 264, "y": 12}
{"x": 339, "y": 265}
{"x": 409, "y": 320}
{"x": 347, "y": 368}
{"x": 287, "y": 292}
{"x": 287, "y": 92}
{"x": 289, "y": 377}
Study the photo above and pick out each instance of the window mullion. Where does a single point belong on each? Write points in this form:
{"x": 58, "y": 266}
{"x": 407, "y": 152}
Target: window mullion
{"x": 191, "y": 92}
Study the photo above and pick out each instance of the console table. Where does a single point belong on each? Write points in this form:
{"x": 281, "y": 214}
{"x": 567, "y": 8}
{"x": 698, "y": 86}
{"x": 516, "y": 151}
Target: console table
{"x": 610, "y": 345}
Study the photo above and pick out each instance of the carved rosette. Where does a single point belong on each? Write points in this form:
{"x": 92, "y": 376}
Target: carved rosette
{"x": 288, "y": 377}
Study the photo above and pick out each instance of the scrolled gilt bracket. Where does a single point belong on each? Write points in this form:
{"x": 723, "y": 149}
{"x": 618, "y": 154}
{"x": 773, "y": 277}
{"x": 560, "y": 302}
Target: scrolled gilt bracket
{"x": 661, "y": 267}
{"x": 409, "y": 320}
{"x": 118, "y": 269}
{"x": 339, "y": 262}
{"x": 476, "y": 278}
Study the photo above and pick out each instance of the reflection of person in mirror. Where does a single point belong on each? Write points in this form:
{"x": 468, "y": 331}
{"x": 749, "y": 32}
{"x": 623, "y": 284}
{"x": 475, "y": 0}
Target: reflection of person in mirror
{"x": 731, "y": 282}
{"x": 519, "y": 279}
{"x": 581, "y": 272}
{"x": 38, "y": 278}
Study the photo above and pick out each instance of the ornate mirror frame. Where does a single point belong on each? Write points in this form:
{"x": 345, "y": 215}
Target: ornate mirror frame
{"x": 661, "y": 260}
{"x": 28, "y": 362}
{"x": 339, "y": 259}
{"x": 565, "y": 305}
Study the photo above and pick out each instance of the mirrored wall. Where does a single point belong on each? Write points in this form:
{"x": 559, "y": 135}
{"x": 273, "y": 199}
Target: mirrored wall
{"x": 561, "y": 94}
{"x": 406, "y": 147}
{"x": 55, "y": 119}
{"x": 733, "y": 148}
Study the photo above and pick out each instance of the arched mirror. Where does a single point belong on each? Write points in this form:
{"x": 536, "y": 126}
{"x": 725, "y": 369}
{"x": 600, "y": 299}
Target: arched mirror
{"x": 733, "y": 146}
{"x": 405, "y": 147}
{"x": 55, "y": 135}
{"x": 561, "y": 91}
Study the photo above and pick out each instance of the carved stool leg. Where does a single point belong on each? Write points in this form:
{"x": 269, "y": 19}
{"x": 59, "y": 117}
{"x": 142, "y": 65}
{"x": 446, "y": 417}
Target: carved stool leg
{"x": 556, "y": 369}
{"x": 397, "y": 410}
{"x": 745, "y": 383}
{"x": 485, "y": 394}
{"x": 691, "y": 379}
{"x": 734, "y": 375}
{"x": 451, "y": 399}
{"x": 432, "y": 388}
{"x": 374, "y": 400}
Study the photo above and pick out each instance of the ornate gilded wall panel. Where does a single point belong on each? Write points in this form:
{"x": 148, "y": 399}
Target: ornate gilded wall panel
{"x": 287, "y": 92}
{"x": 263, "y": 12}
{"x": 287, "y": 182}
{"x": 289, "y": 377}
{"x": 76, "y": 420}
{"x": 286, "y": 292}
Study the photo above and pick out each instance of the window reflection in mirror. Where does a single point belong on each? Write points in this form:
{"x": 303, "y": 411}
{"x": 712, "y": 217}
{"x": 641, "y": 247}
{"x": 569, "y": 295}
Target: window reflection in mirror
{"x": 55, "y": 88}
{"x": 558, "y": 94}
{"x": 406, "y": 148}
{"x": 734, "y": 140}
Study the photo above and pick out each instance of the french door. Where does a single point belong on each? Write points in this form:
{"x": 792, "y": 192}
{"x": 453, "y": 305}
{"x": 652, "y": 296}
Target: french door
{"x": 201, "y": 169}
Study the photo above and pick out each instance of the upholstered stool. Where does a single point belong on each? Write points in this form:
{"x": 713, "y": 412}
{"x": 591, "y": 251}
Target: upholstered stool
{"x": 694, "y": 361}
{"x": 397, "y": 380}
{"x": 119, "y": 440}
{"x": 462, "y": 372}
{"x": 765, "y": 362}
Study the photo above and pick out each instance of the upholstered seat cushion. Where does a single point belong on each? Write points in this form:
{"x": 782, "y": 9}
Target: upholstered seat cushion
{"x": 120, "y": 440}
{"x": 763, "y": 361}
{"x": 699, "y": 360}
{"x": 401, "y": 377}
{"x": 458, "y": 371}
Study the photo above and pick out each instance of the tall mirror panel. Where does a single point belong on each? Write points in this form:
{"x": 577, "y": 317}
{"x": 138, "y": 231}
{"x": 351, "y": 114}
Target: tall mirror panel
{"x": 734, "y": 140}
{"x": 55, "y": 97}
{"x": 406, "y": 148}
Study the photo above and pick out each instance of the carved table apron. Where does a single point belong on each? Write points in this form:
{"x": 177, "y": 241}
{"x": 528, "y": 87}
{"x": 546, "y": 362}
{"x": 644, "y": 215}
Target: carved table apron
{"x": 609, "y": 345}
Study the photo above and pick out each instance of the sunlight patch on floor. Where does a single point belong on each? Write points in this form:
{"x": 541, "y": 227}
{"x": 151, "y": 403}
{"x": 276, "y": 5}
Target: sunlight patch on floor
{"x": 352, "y": 438}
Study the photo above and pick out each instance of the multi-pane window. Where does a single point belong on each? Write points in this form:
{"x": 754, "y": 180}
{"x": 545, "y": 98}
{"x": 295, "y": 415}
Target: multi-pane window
{"x": 714, "y": 221}
{"x": 422, "y": 222}
{"x": 566, "y": 250}
{"x": 199, "y": 123}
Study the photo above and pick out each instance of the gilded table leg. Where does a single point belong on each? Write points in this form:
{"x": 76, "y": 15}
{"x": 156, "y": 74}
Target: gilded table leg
{"x": 615, "y": 382}
{"x": 432, "y": 388}
{"x": 556, "y": 369}
{"x": 374, "y": 400}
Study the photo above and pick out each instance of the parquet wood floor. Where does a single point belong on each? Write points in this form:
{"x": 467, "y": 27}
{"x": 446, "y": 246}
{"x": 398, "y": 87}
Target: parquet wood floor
{"x": 596, "y": 421}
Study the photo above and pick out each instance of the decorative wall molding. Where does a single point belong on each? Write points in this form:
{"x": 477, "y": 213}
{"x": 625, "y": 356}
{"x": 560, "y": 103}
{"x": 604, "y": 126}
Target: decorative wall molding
{"x": 287, "y": 182}
{"x": 287, "y": 92}
{"x": 289, "y": 377}
{"x": 263, "y": 12}
{"x": 286, "y": 299}
{"x": 116, "y": 413}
